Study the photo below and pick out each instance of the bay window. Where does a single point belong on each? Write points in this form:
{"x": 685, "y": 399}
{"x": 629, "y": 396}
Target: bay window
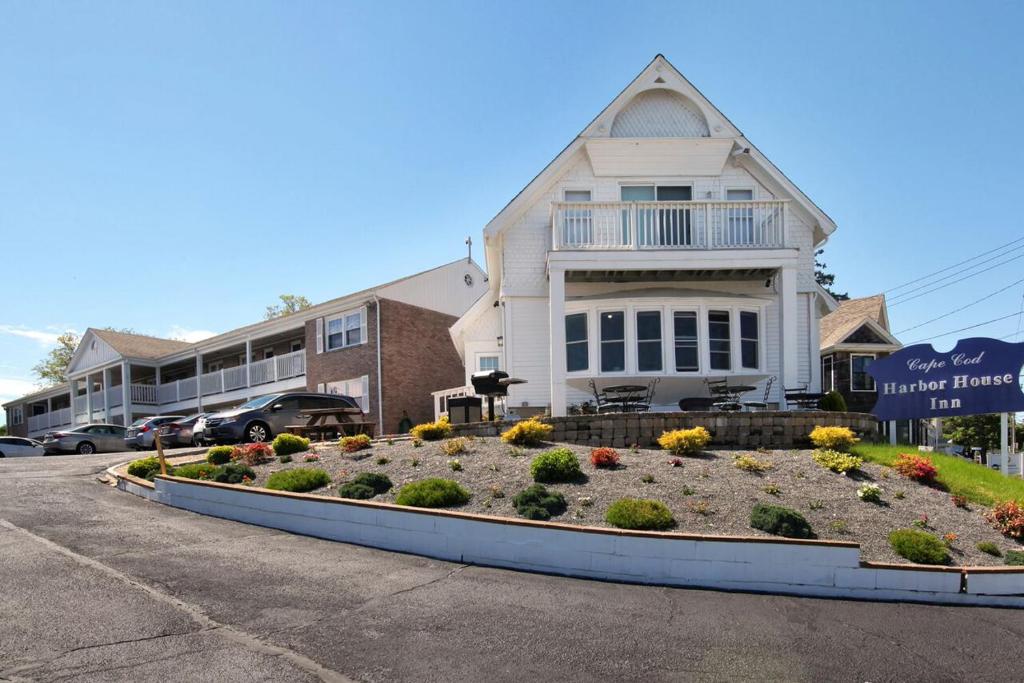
{"x": 613, "y": 341}
{"x": 648, "y": 341}
{"x": 685, "y": 329}
{"x": 719, "y": 343}
{"x": 577, "y": 351}
{"x": 749, "y": 353}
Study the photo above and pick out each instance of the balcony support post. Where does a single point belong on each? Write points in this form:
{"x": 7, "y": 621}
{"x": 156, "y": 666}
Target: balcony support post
{"x": 126, "y": 393}
{"x": 556, "y": 322}
{"x": 248, "y": 363}
{"x": 88, "y": 398}
{"x": 790, "y": 345}
{"x": 106, "y": 397}
{"x": 199, "y": 382}
{"x": 157, "y": 373}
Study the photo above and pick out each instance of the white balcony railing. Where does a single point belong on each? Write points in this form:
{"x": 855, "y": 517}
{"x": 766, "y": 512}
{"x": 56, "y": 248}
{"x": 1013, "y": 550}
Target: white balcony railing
{"x": 230, "y": 379}
{"x": 81, "y": 405}
{"x": 668, "y": 225}
{"x": 115, "y": 396}
{"x": 291, "y": 364}
{"x": 212, "y": 383}
{"x": 54, "y": 418}
{"x": 234, "y": 378}
{"x": 144, "y": 394}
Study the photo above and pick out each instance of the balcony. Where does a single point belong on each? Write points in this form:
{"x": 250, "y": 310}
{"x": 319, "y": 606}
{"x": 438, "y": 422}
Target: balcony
{"x": 668, "y": 225}
{"x": 223, "y": 381}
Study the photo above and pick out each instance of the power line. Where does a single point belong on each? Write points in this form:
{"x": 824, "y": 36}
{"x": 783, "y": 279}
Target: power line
{"x": 965, "y": 277}
{"x": 942, "y": 270}
{"x": 957, "y": 310}
{"x": 962, "y": 329}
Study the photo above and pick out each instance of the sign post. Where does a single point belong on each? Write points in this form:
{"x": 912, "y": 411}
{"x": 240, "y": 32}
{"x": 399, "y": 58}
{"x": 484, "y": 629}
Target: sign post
{"x": 160, "y": 451}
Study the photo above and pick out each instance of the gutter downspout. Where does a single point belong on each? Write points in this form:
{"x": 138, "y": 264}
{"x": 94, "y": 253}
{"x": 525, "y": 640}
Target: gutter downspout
{"x": 380, "y": 373}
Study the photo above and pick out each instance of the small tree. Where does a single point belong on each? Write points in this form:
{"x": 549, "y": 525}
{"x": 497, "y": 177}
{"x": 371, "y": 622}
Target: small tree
{"x": 980, "y": 431}
{"x": 290, "y": 303}
{"x": 825, "y": 278}
{"x": 54, "y": 367}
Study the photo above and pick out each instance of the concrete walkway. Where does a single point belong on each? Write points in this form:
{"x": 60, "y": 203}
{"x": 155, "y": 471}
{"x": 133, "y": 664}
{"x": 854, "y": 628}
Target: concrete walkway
{"x": 98, "y": 584}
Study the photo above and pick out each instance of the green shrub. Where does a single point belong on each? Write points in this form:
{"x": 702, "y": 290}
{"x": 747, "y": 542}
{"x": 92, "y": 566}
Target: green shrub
{"x": 749, "y": 463}
{"x": 351, "y": 444}
{"x": 556, "y": 465}
{"x": 685, "y": 441}
{"x": 455, "y": 446}
{"x": 378, "y": 482}
{"x": 287, "y": 444}
{"x": 144, "y": 467}
{"x": 780, "y": 521}
{"x": 918, "y": 546}
{"x": 536, "y": 502}
{"x": 234, "y": 473}
{"x": 836, "y": 438}
{"x": 833, "y": 401}
{"x": 357, "y": 491}
{"x": 836, "y": 461}
{"x": 526, "y": 432}
{"x": 284, "y": 459}
{"x": 640, "y": 513}
{"x": 990, "y": 548}
{"x": 1015, "y": 558}
{"x": 298, "y": 480}
{"x": 197, "y": 470}
{"x": 432, "y": 493}
{"x": 218, "y": 455}
{"x": 432, "y": 431}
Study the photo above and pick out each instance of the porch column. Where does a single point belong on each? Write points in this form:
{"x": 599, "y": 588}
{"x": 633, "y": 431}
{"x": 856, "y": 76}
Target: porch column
{"x": 556, "y": 326}
{"x": 157, "y": 373}
{"x": 88, "y": 398}
{"x": 892, "y": 432}
{"x": 790, "y": 345}
{"x": 106, "y": 396}
{"x": 199, "y": 382}
{"x": 814, "y": 343}
{"x": 126, "y": 393}
{"x": 248, "y": 363}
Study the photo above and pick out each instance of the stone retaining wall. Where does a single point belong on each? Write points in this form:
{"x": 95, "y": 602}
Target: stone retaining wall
{"x": 771, "y": 429}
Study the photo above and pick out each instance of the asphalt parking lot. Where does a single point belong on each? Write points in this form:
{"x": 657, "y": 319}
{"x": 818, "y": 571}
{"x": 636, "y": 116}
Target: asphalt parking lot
{"x": 99, "y": 584}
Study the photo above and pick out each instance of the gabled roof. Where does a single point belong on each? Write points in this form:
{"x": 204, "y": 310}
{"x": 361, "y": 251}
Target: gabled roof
{"x": 132, "y": 345}
{"x": 660, "y": 74}
{"x": 853, "y": 314}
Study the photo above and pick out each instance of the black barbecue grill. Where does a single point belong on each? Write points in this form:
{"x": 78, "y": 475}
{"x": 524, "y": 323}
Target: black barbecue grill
{"x": 492, "y": 383}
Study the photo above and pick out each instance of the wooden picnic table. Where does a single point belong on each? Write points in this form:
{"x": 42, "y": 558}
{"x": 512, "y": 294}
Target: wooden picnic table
{"x": 343, "y": 422}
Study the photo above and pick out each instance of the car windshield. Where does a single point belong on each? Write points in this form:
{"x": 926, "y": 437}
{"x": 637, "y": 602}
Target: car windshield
{"x": 141, "y": 421}
{"x": 258, "y": 402}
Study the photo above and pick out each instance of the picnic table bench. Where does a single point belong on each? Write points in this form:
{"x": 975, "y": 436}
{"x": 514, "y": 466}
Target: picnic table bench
{"x": 344, "y": 423}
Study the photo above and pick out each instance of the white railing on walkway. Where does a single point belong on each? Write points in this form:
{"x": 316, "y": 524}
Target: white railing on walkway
{"x": 144, "y": 394}
{"x": 229, "y": 379}
{"x": 291, "y": 364}
{"x": 54, "y": 418}
{"x": 211, "y": 383}
{"x": 234, "y": 378}
{"x": 668, "y": 225}
{"x": 187, "y": 388}
{"x": 81, "y": 405}
{"x": 115, "y": 396}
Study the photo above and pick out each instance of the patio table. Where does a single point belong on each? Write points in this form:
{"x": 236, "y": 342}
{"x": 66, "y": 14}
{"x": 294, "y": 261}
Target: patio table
{"x": 343, "y": 422}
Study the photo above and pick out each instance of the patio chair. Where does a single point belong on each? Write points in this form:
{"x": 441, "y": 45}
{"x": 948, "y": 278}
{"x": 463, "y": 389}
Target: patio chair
{"x": 601, "y": 404}
{"x": 724, "y": 398}
{"x": 763, "y": 403}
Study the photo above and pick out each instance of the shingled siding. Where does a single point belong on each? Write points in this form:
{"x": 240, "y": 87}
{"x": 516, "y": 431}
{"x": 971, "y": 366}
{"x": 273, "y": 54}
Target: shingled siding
{"x": 769, "y": 429}
{"x": 856, "y": 401}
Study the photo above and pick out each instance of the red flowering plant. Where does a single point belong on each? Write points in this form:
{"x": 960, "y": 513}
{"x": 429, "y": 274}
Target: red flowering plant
{"x": 916, "y": 467}
{"x": 676, "y": 462}
{"x": 1008, "y": 517}
{"x": 253, "y": 454}
{"x": 604, "y": 457}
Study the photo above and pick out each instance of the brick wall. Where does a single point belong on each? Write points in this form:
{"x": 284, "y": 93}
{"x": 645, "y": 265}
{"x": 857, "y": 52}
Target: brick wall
{"x": 776, "y": 429}
{"x": 417, "y": 358}
{"x": 19, "y": 429}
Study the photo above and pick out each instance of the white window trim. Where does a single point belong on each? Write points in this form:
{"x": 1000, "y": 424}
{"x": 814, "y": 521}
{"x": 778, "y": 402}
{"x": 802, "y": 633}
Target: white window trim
{"x": 586, "y": 340}
{"x": 660, "y": 310}
{"x": 760, "y": 336}
{"x": 214, "y": 366}
{"x": 701, "y": 365}
{"x": 872, "y": 356}
{"x": 364, "y": 400}
{"x": 341, "y": 316}
{"x": 831, "y": 371}
{"x": 481, "y": 355}
{"x": 627, "y": 340}
{"x": 751, "y": 188}
{"x": 577, "y": 188}
{"x": 17, "y": 415}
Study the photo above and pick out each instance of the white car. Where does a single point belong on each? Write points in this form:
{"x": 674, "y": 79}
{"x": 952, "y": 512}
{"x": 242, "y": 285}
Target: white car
{"x": 15, "y": 446}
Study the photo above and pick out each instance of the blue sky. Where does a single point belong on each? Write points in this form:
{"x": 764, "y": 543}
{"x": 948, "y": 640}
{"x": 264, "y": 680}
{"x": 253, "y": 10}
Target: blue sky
{"x": 173, "y": 167}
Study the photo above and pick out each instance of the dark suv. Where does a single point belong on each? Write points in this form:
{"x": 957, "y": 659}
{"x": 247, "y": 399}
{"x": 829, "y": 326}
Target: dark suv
{"x": 262, "y": 418}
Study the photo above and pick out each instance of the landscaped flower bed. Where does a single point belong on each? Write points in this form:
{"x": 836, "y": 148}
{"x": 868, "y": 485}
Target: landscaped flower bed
{"x": 713, "y": 492}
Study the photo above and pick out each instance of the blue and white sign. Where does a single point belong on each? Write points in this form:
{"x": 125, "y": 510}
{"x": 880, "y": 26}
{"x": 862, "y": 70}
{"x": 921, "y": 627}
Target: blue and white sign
{"x": 980, "y": 375}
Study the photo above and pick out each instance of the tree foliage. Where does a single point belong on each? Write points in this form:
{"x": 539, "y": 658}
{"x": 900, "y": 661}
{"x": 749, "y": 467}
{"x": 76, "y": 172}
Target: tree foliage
{"x": 54, "y": 367}
{"x": 290, "y": 303}
{"x": 825, "y": 278}
{"x": 972, "y": 431}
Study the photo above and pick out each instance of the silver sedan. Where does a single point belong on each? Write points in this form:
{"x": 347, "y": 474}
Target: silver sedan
{"x": 14, "y": 446}
{"x": 91, "y": 438}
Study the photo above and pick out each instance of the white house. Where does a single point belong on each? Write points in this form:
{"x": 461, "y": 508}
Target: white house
{"x": 660, "y": 243}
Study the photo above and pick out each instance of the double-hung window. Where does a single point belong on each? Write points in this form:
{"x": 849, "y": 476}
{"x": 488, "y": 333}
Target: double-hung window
{"x": 648, "y": 341}
{"x": 345, "y": 330}
{"x": 828, "y": 382}
{"x": 487, "y": 363}
{"x": 357, "y": 388}
{"x": 749, "y": 333}
{"x": 613, "y": 341}
{"x": 577, "y": 221}
{"x": 685, "y": 330}
{"x": 740, "y": 223}
{"x": 577, "y": 352}
{"x": 718, "y": 340}
{"x": 860, "y": 380}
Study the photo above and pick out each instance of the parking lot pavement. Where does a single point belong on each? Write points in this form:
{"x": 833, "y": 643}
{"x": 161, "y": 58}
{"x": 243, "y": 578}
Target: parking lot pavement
{"x": 98, "y": 583}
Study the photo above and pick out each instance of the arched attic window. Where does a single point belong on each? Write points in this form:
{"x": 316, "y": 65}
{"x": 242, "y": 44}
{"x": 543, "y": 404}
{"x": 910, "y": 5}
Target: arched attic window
{"x": 660, "y": 113}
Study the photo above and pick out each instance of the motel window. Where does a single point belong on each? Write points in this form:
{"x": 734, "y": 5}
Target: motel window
{"x": 17, "y": 416}
{"x": 576, "y": 348}
{"x": 749, "y": 354}
{"x": 685, "y": 329}
{"x": 357, "y": 388}
{"x": 613, "y": 341}
{"x": 348, "y": 329}
{"x": 860, "y": 380}
{"x": 828, "y": 379}
{"x": 296, "y": 346}
{"x": 718, "y": 340}
{"x": 740, "y": 220}
{"x": 487, "y": 363}
{"x": 648, "y": 341}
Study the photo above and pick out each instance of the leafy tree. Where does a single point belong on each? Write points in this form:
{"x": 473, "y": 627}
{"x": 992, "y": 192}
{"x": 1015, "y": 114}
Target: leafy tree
{"x": 290, "y": 303}
{"x": 53, "y": 368}
{"x": 825, "y": 278}
{"x": 3, "y": 430}
{"x": 976, "y": 430}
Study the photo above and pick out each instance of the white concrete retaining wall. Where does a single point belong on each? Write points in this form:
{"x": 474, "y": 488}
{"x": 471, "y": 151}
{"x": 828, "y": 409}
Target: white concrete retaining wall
{"x": 750, "y": 564}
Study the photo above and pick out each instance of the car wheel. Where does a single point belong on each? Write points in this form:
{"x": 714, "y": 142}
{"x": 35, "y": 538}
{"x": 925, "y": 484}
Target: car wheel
{"x": 257, "y": 432}
{"x": 86, "y": 448}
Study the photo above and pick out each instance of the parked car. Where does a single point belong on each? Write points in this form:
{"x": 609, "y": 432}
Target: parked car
{"x": 15, "y": 446}
{"x": 266, "y": 416}
{"x": 141, "y": 434}
{"x": 199, "y": 430}
{"x": 180, "y": 432}
{"x": 90, "y": 438}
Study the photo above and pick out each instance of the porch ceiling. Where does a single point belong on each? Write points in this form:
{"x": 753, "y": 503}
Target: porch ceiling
{"x": 669, "y": 275}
